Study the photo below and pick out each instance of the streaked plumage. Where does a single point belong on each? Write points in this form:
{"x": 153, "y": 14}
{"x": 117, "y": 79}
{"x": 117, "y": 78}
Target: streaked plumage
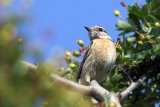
{"x": 99, "y": 58}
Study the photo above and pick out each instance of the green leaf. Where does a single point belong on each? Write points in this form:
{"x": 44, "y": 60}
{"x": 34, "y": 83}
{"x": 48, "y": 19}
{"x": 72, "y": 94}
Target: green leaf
{"x": 145, "y": 9}
{"x": 155, "y": 4}
{"x": 134, "y": 21}
{"x": 156, "y": 48}
{"x": 150, "y": 36}
{"x": 116, "y": 77}
{"x": 127, "y": 58}
{"x": 121, "y": 34}
{"x": 121, "y": 25}
{"x": 148, "y": 1}
{"x": 151, "y": 18}
{"x": 140, "y": 56}
{"x": 131, "y": 39}
{"x": 135, "y": 9}
{"x": 146, "y": 29}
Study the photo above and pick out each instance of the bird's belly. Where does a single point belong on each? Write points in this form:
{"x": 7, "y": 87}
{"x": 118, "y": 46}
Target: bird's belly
{"x": 103, "y": 65}
{"x": 102, "y": 69}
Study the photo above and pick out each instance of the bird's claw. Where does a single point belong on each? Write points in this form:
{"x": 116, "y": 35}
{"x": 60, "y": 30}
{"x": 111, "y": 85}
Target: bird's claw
{"x": 94, "y": 83}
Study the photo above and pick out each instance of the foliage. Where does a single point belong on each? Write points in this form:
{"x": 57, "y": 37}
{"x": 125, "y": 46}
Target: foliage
{"x": 140, "y": 41}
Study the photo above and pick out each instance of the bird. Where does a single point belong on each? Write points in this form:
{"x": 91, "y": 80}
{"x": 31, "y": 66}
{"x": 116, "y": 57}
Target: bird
{"x": 99, "y": 58}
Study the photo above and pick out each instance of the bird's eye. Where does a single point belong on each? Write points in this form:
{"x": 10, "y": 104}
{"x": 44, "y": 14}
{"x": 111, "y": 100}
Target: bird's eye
{"x": 100, "y": 29}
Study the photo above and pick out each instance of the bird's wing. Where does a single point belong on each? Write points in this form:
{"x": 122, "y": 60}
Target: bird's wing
{"x": 86, "y": 55}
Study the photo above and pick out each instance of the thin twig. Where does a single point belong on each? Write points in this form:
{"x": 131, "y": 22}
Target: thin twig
{"x": 134, "y": 85}
{"x": 129, "y": 77}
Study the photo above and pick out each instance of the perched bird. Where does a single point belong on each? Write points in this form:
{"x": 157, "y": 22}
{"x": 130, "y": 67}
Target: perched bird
{"x": 99, "y": 58}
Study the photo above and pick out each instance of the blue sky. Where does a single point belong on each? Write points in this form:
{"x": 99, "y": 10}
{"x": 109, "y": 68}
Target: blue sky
{"x": 64, "y": 20}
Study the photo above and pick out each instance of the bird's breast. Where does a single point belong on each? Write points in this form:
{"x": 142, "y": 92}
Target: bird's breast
{"x": 104, "y": 49}
{"x": 105, "y": 56}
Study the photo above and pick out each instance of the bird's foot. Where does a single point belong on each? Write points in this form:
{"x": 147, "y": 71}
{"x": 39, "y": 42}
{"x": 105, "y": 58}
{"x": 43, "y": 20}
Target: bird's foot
{"x": 94, "y": 83}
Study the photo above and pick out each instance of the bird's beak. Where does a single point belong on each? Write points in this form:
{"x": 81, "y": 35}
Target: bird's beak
{"x": 87, "y": 28}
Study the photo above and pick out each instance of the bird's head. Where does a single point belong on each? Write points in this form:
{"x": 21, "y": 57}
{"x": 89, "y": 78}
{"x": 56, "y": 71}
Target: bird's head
{"x": 97, "y": 32}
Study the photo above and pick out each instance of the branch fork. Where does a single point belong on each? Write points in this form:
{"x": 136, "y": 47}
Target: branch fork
{"x": 94, "y": 89}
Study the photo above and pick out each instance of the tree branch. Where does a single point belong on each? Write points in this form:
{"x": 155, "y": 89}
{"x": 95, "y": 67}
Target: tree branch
{"x": 132, "y": 87}
{"x": 95, "y": 90}
{"x": 28, "y": 65}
